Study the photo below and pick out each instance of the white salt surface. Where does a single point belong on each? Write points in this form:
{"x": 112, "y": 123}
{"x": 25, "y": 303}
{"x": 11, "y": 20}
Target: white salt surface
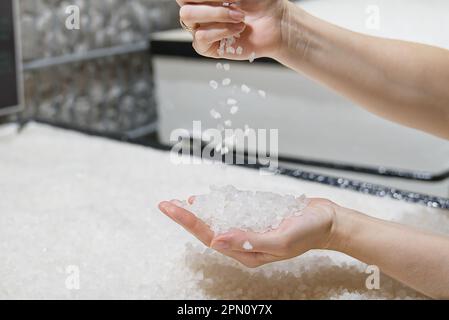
{"x": 72, "y": 200}
{"x": 225, "y": 208}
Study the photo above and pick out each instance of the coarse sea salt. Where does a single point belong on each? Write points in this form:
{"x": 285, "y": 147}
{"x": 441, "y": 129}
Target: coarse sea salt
{"x": 248, "y": 246}
{"x": 219, "y": 66}
{"x": 215, "y": 114}
{"x": 252, "y": 57}
{"x": 227, "y": 67}
{"x": 228, "y": 123}
{"x": 234, "y": 109}
{"x": 239, "y": 51}
{"x": 226, "y": 82}
{"x": 226, "y": 208}
{"x": 245, "y": 88}
{"x": 213, "y": 84}
{"x": 262, "y": 93}
{"x": 231, "y": 101}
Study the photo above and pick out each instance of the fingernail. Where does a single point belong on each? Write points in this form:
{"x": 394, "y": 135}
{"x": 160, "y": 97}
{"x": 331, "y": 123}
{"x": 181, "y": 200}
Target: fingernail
{"x": 221, "y": 245}
{"x": 237, "y": 15}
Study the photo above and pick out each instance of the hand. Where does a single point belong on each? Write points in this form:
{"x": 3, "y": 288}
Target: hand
{"x": 295, "y": 236}
{"x": 258, "y": 22}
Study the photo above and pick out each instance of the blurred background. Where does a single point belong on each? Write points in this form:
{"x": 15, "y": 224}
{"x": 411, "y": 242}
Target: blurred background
{"x": 98, "y": 77}
{"x": 131, "y": 74}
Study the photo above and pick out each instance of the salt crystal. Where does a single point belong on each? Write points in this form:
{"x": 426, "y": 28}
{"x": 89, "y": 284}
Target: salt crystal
{"x": 225, "y": 150}
{"x": 239, "y": 51}
{"x": 231, "y": 102}
{"x": 247, "y": 130}
{"x": 219, "y": 66}
{"x": 248, "y": 246}
{"x": 234, "y": 110}
{"x": 215, "y": 114}
{"x": 252, "y": 57}
{"x": 228, "y": 123}
{"x": 227, "y": 67}
{"x": 245, "y": 88}
{"x": 262, "y": 93}
{"x": 226, "y": 82}
{"x": 225, "y": 208}
{"x": 213, "y": 84}
{"x": 230, "y": 50}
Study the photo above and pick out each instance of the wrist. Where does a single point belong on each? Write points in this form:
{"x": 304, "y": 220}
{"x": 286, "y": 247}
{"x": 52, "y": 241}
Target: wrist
{"x": 344, "y": 225}
{"x": 292, "y": 36}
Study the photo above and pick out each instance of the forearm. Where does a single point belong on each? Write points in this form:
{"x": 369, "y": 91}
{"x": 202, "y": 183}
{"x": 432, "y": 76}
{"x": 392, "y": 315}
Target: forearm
{"x": 403, "y": 82}
{"x": 417, "y": 259}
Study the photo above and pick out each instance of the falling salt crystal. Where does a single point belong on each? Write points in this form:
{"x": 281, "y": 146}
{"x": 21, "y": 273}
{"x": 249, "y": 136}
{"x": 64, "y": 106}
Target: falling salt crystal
{"x": 227, "y": 67}
{"x": 215, "y": 114}
{"x": 213, "y": 84}
{"x": 228, "y": 123}
{"x": 252, "y": 57}
{"x": 247, "y": 129}
{"x": 220, "y": 127}
{"x": 225, "y": 150}
{"x": 226, "y": 82}
{"x": 234, "y": 110}
{"x": 231, "y": 102}
{"x": 248, "y": 246}
{"x": 239, "y": 51}
{"x": 219, "y": 66}
{"x": 245, "y": 88}
{"x": 262, "y": 93}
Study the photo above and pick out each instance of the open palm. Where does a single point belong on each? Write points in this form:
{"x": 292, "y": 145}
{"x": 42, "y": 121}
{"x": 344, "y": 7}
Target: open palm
{"x": 295, "y": 236}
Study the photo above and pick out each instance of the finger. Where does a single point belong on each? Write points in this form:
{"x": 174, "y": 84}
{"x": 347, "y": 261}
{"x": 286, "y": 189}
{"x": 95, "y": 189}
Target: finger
{"x": 188, "y": 221}
{"x": 247, "y": 241}
{"x": 248, "y": 259}
{"x": 214, "y": 32}
{"x": 197, "y": 14}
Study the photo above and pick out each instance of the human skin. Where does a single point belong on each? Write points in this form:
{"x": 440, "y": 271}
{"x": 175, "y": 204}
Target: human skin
{"x": 401, "y": 81}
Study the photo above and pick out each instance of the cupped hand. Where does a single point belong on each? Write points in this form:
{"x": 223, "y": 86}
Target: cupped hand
{"x": 258, "y": 22}
{"x": 295, "y": 236}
